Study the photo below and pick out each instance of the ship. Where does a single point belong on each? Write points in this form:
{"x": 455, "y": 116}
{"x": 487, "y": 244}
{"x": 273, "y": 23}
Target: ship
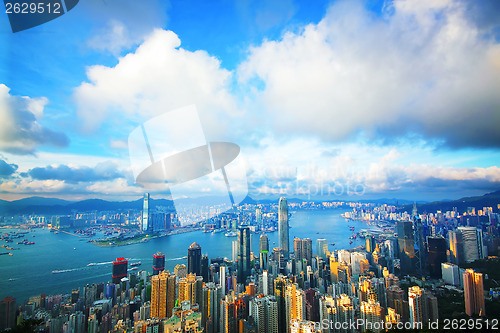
{"x": 135, "y": 264}
{"x": 231, "y": 234}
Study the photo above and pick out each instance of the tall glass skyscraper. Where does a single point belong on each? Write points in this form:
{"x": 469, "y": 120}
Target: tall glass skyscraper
{"x": 264, "y": 251}
{"x": 243, "y": 254}
{"x": 145, "y": 213}
{"x": 283, "y": 227}
{"x": 406, "y": 246}
{"x": 194, "y": 259}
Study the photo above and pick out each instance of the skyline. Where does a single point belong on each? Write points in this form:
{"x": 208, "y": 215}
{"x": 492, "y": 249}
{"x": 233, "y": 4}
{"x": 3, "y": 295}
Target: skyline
{"x": 342, "y": 100}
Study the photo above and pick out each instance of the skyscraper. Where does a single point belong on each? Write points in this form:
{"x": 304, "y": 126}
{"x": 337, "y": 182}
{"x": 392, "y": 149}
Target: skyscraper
{"x": 158, "y": 263}
{"x": 303, "y": 249}
{"x": 406, "y": 246}
{"x": 322, "y": 247}
{"x": 473, "y": 293}
{"x": 194, "y": 259}
{"x": 145, "y": 213}
{"x": 7, "y": 313}
{"x": 263, "y": 243}
{"x": 258, "y": 217}
{"x": 222, "y": 279}
{"x": 283, "y": 227}
{"x": 415, "y": 305}
{"x": 456, "y": 247}
{"x": 437, "y": 255}
{"x": 471, "y": 249}
{"x": 370, "y": 244}
{"x": 243, "y": 253}
{"x": 264, "y": 252}
{"x": 162, "y": 295}
{"x": 204, "y": 267}
{"x": 119, "y": 270}
{"x": 190, "y": 289}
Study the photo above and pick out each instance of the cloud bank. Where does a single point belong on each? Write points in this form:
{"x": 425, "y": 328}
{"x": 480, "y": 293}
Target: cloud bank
{"x": 20, "y": 129}
{"x": 421, "y": 68}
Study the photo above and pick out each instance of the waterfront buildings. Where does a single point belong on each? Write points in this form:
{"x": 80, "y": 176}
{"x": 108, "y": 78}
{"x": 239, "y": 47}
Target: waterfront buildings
{"x": 119, "y": 269}
{"x": 158, "y": 263}
{"x": 194, "y": 259}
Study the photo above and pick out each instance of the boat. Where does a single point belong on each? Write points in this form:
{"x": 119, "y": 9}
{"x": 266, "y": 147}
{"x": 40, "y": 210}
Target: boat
{"x": 134, "y": 268}
{"x": 231, "y": 234}
{"x": 135, "y": 264}
{"x": 184, "y": 257}
{"x": 332, "y": 244}
{"x": 350, "y": 242}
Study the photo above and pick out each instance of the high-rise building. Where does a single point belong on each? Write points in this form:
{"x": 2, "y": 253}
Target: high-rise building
{"x": 119, "y": 270}
{"x": 234, "y": 249}
{"x": 212, "y": 297}
{"x": 243, "y": 253}
{"x": 258, "y": 218}
{"x": 264, "y": 310}
{"x": 370, "y": 244}
{"x": 372, "y": 315}
{"x": 474, "y": 293}
{"x": 158, "y": 263}
{"x": 356, "y": 259}
{"x": 263, "y": 243}
{"x": 415, "y": 305}
{"x": 204, "y": 267}
{"x": 295, "y": 303}
{"x": 190, "y": 289}
{"x": 471, "y": 252}
{"x": 180, "y": 270}
{"x": 322, "y": 247}
{"x": 194, "y": 259}
{"x": 456, "y": 247}
{"x": 279, "y": 292}
{"x": 264, "y": 252}
{"x": 437, "y": 255}
{"x": 7, "y": 313}
{"x": 162, "y": 295}
{"x": 450, "y": 273}
{"x": 159, "y": 222}
{"x": 303, "y": 249}
{"x": 145, "y": 213}
{"x": 222, "y": 279}
{"x": 283, "y": 227}
{"x": 406, "y": 246}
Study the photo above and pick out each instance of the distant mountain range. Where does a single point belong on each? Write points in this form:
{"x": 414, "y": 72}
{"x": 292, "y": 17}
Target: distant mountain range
{"x": 487, "y": 200}
{"x": 40, "y": 205}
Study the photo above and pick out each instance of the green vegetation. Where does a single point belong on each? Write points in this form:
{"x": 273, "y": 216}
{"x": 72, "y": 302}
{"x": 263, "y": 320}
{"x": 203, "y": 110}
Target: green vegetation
{"x": 487, "y": 267}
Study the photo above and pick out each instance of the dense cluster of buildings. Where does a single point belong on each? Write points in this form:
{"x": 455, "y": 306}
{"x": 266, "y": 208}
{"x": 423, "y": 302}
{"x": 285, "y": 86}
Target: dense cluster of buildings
{"x": 282, "y": 289}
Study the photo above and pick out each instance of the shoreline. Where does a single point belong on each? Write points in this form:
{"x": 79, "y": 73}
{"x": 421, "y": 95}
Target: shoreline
{"x": 141, "y": 239}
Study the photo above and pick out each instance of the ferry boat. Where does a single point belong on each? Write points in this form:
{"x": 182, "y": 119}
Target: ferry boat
{"x": 231, "y": 234}
{"x": 135, "y": 264}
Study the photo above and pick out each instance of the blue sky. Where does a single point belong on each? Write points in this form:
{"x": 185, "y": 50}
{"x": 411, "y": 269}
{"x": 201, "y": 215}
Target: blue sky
{"x": 326, "y": 99}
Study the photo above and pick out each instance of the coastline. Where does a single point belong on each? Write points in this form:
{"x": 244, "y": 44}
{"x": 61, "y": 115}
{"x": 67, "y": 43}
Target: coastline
{"x": 115, "y": 242}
